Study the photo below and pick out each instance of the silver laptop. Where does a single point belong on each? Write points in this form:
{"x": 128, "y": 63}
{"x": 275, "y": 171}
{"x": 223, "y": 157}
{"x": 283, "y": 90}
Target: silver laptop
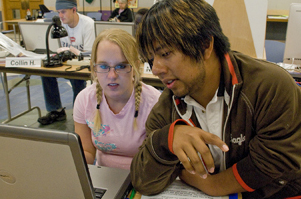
{"x": 43, "y": 163}
{"x": 34, "y": 37}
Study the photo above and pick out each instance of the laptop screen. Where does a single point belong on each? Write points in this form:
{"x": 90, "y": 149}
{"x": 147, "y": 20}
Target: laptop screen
{"x": 43, "y": 163}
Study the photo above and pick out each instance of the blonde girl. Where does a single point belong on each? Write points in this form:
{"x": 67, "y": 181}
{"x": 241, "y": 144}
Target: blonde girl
{"x": 110, "y": 114}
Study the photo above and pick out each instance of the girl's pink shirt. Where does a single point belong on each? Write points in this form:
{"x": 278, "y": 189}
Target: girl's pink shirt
{"x": 117, "y": 141}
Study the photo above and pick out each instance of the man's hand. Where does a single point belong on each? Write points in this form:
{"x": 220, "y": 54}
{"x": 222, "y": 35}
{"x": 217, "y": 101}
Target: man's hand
{"x": 223, "y": 183}
{"x": 188, "y": 141}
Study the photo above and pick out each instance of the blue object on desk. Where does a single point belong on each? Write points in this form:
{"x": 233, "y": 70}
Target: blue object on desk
{"x": 233, "y": 196}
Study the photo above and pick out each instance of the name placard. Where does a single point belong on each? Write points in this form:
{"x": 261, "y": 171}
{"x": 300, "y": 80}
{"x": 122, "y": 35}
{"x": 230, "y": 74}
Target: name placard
{"x": 147, "y": 69}
{"x": 23, "y": 62}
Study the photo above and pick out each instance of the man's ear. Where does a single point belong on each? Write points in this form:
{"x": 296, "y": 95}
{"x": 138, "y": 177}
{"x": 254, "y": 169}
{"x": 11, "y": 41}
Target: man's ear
{"x": 208, "y": 51}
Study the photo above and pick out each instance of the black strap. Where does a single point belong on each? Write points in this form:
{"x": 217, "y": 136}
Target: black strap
{"x": 78, "y": 68}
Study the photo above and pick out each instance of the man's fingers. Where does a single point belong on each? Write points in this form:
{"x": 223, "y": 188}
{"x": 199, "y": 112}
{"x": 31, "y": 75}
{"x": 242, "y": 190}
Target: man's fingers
{"x": 193, "y": 162}
{"x": 203, "y": 162}
{"x": 185, "y": 160}
{"x": 190, "y": 144}
{"x": 212, "y": 139}
{"x": 205, "y": 159}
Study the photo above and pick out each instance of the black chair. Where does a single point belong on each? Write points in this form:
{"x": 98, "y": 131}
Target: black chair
{"x": 4, "y": 31}
{"x": 274, "y": 50}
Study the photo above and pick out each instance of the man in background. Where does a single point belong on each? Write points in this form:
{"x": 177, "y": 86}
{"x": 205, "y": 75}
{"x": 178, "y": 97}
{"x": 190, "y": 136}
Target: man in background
{"x": 81, "y": 36}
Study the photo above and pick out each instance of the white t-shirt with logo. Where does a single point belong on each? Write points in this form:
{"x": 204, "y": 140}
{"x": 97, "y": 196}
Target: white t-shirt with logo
{"x": 81, "y": 36}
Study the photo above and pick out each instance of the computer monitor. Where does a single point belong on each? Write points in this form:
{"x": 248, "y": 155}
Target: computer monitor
{"x": 292, "y": 52}
{"x": 49, "y": 15}
{"x": 43, "y": 9}
{"x": 34, "y": 36}
{"x": 102, "y": 25}
{"x": 96, "y": 16}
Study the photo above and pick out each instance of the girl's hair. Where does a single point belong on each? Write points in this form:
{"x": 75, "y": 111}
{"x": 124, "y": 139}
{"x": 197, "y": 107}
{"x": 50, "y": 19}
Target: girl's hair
{"x": 127, "y": 44}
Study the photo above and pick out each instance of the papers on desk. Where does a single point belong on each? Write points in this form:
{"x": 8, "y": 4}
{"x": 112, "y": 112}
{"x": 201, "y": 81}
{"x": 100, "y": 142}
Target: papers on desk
{"x": 277, "y": 16}
{"x": 293, "y": 68}
{"x": 15, "y": 49}
{"x": 39, "y": 21}
{"x": 85, "y": 61}
{"x": 179, "y": 190}
{"x": 289, "y": 66}
{"x": 21, "y": 57}
{"x": 3, "y": 53}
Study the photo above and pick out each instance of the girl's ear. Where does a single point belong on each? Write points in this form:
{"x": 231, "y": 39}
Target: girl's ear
{"x": 93, "y": 73}
{"x": 138, "y": 62}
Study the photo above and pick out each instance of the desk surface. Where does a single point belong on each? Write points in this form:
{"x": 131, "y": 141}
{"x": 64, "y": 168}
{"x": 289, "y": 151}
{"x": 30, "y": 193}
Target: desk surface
{"x": 61, "y": 72}
{"x": 48, "y": 72}
{"x": 16, "y": 21}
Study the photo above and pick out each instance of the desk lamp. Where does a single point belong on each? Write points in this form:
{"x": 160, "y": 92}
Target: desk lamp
{"x": 57, "y": 32}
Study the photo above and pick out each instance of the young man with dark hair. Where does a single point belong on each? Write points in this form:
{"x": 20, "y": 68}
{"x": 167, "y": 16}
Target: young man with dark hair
{"x": 226, "y": 123}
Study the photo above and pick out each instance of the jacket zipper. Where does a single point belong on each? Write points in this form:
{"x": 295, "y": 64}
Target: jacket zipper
{"x": 226, "y": 121}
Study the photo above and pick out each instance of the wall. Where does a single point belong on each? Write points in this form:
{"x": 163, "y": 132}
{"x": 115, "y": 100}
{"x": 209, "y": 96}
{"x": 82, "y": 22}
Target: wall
{"x": 281, "y": 4}
{"x": 272, "y": 4}
{"x": 1, "y": 13}
{"x": 95, "y": 5}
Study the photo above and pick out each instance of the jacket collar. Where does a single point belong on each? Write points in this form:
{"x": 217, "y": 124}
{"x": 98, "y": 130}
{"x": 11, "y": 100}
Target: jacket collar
{"x": 230, "y": 73}
{"x": 229, "y": 77}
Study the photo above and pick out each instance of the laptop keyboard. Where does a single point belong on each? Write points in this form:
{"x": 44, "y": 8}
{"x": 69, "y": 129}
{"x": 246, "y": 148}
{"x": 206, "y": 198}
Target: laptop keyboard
{"x": 99, "y": 192}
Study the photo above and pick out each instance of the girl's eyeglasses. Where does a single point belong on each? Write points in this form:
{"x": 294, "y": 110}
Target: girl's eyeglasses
{"x": 120, "y": 68}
